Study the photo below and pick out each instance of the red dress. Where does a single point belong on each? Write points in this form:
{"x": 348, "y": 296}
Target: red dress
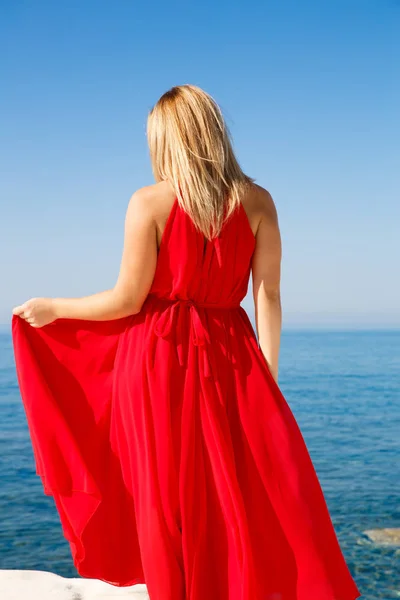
{"x": 173, "y": 458}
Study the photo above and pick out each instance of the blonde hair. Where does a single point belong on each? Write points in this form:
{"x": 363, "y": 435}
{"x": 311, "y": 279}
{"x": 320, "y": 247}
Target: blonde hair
{"x": 190, "y": 146}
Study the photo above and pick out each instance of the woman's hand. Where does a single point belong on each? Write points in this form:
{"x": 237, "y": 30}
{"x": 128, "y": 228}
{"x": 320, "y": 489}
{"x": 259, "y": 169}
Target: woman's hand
{"x": 37, "y": 311}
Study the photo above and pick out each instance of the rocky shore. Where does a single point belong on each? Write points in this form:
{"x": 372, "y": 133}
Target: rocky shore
{"x": 41, "y": 585}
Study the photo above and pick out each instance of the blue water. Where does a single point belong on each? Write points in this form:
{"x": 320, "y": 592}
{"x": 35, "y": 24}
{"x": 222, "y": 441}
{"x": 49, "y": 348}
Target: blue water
{"x": 343, "y": 388}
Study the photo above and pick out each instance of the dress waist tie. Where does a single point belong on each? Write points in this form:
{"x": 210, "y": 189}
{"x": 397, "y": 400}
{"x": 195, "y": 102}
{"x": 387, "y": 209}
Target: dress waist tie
{"x": 198, "y": 334}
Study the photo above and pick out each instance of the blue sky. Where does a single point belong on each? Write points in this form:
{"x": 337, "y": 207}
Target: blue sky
{"x": 310, "y": 90}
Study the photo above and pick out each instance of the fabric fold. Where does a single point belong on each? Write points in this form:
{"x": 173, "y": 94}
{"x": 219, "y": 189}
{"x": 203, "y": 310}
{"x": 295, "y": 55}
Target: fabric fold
{"x": 65, "y": 373}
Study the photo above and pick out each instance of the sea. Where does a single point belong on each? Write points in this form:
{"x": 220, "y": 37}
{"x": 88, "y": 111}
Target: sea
{"x": 344, "y": 390}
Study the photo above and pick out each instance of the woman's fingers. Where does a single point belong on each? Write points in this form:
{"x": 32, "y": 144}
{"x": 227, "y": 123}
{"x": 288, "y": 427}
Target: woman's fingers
{"x": 36, "y": 311}
{"x": 24, "y": 313}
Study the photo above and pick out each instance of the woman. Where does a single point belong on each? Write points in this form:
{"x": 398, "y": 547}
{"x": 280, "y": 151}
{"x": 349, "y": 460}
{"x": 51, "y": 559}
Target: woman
{"x": 156, "y": 418}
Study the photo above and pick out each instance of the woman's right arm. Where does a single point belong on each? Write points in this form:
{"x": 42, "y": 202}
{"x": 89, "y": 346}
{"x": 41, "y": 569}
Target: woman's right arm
{"x": 266, "y": 273}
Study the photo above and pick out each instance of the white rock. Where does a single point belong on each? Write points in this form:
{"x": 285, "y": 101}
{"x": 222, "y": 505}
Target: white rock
{"x": 41, "y": 585}
{"x": 386, "y": 536}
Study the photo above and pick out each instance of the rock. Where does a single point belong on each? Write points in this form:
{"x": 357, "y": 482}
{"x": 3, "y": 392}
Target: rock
{"x": 41, "y": 585}
{"x": 386, "y": 536}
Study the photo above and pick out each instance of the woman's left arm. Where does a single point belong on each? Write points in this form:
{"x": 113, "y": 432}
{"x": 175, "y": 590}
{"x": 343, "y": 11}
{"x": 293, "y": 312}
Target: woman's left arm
{"x": 138, "y": 264}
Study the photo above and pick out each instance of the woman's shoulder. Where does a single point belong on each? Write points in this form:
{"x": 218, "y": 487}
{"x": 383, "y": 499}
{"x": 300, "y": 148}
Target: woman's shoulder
{"x": 153, "y": 194}
{"x": 259, "y": 205}
{"x": 155, "y": 199}
{"x": 154, "y": 202}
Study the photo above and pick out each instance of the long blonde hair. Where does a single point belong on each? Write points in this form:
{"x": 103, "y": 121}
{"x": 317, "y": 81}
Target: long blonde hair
{"x": 190, "y": 146}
